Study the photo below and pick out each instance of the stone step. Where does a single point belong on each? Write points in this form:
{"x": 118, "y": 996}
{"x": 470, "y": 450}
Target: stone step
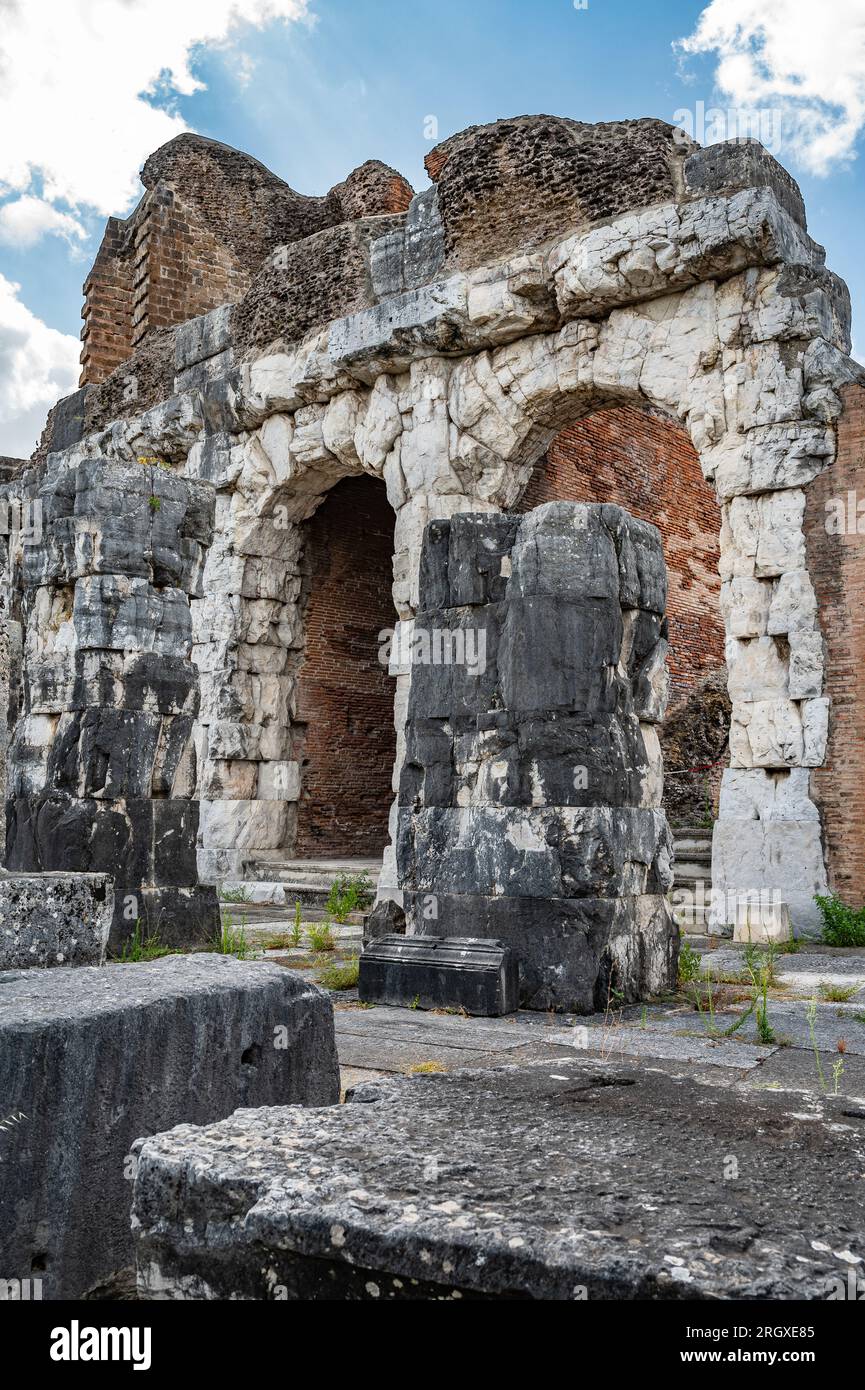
{"x": 687, "y": 875}
{"x": 307, "y": 881}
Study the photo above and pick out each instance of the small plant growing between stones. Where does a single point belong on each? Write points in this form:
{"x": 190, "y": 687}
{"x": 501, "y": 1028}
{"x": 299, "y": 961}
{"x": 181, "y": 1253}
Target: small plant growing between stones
{"x": 234, "y": 895}
{"x": 297, "y": 928}
{"x": 426, "y": 1069}
{"x": 154, "y": 503}
{"x": 141, "y": 947}
{"x": 842, "y": 925}
{"x": 231, "y": 940}
{"x": 811, "y": 1016}
{"x": 761, "y": 969}
{"x": 837, "y": 994}
{"x": 349, "y": 893}
{"x": 689, "y": 964}
{"x": 321, "y": 936}
{"x": 340, "y": 976}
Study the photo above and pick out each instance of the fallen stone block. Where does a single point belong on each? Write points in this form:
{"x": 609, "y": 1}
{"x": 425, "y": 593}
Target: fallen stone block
{"x": 386, "y": 919}
{"x": 559, "y": 1180}
{"x": 54, "y": 919}
{"x": 428, "y": 972}
{"x": 91, "y": 1060}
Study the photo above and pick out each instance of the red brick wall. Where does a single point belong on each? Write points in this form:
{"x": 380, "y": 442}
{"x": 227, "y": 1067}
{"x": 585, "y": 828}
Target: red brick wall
{"x": 345, "y": 696}
{"x": 106, "y": 335}
{"x": 649, "y": 465}
{"x": 837, "y": 566}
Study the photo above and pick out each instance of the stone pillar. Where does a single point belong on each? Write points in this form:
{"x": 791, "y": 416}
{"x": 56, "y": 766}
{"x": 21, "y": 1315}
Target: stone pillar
{"x": 102, "y": 765}
{"x": 529, "y": 803}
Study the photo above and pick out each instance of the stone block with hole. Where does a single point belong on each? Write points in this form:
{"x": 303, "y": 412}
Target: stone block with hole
{"x": 93, "y": 1059}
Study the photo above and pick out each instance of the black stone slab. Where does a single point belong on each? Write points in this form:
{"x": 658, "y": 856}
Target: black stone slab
{"x": 428, "y": 972}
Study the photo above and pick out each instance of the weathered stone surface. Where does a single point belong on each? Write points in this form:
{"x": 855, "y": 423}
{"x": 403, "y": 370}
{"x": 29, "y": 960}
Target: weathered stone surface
{"x": 554, "y": 268}
{"x": 520, "y": 182}
{"x": 386, "y": 919}
{"x": 478, "y": 976}
{"x": 734, "y": 164}
{"x": 94, "y": 1059}
{"x": 528, "y": 797}
{"x": 478, "y": 1210}
{"x": 54, "y": 919}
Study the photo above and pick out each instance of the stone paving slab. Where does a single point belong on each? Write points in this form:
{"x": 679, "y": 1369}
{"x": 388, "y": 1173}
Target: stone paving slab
{"x": 488, "y": 1035}
{"x": 802, "y": 973}
{"x": 795, "y": 1069}
{"x": 551, "y": 1181}
{"x": 834, "y": 1023}
{"x": 648, "y": 1042}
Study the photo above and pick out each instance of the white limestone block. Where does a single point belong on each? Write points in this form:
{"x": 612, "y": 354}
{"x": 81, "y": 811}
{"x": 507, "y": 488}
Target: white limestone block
{"x": 279, "y": 781}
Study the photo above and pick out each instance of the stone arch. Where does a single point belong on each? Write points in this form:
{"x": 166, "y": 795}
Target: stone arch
{"x": 344, "y": 729}
{"x": 268, "y": 761}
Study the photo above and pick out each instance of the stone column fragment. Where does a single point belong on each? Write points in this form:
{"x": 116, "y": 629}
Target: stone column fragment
{"x": 530, "y": 798}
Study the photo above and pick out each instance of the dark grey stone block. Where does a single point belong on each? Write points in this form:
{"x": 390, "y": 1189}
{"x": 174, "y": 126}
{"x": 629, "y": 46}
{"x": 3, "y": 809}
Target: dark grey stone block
{"x": 532, "y": 781}
{"x": 565, "y": 1180}
{"x": 93, "y": 1059}
{"x": 67, "y": 420}
{"x": 54, "y": 920}
{"x": 386, "y": 919}
{"x": 575, "y": 955}
{"x": 429, "y": 972}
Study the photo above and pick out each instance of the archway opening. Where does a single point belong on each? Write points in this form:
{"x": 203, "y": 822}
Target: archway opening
{"x": 642, "y": 460}
{"x": 345, "y": 697}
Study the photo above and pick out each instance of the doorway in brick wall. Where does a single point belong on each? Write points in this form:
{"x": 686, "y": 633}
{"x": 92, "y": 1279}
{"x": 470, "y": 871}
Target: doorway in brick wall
{"x": 345, "y": 697}
{"x": 644, "y": 461}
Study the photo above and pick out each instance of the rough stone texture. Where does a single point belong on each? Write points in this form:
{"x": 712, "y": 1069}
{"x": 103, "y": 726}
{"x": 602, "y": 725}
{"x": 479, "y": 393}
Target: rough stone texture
{"x": 209, "y": 217}
{"x": 529, "y": 792}
{"x": 736, "y": 164}
{"x": 560, "y": 1180}
{"x": 703, "y": 300}
{"x": 94, "y": 1059}
{"x": 465, "y": 974}
{"x": 647, "y": 464}
{"x": 54, "y": 919}
{"x": 104, "y": 756}
{"x": 515, "y": 183}
{"x": 386, "y": 919}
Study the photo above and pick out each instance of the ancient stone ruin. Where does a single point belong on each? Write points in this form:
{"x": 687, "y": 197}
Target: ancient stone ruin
{"x": 584, "y": 408}
{"x": 581, "y": 313}
{"x": 529, "y": 803}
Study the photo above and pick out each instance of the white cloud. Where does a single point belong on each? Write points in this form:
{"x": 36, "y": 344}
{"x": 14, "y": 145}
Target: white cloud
{"x": 802, "y": 59}
{"x": 23, "y": 221}
{"x": 77, "y": 82}
{"x": 74, "y": 81}
{"x": 37, "y": 366}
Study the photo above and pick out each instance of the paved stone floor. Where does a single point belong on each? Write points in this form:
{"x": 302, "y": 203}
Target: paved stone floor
{"x": 815, "y": 1019}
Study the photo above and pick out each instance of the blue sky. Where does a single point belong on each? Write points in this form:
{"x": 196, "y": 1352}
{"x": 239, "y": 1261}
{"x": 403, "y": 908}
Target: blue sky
{"x": 356, "y": 79}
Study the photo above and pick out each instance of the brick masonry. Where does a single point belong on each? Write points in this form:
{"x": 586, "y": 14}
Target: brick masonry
{"x": 345, "y": 697}
{"x": 209, "y": 217}
{"x": 647, "y": 464}
{"x": 837, "y": 567}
